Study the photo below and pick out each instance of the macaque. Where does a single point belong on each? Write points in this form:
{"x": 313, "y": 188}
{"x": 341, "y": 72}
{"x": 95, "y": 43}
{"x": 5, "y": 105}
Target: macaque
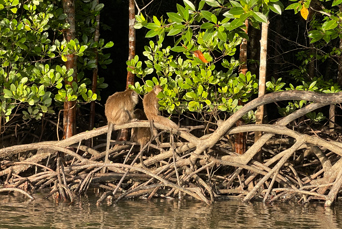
{"x": 142, "y": 135}
{"x": 119, "y": 109}
{"x": 151, "y": 109}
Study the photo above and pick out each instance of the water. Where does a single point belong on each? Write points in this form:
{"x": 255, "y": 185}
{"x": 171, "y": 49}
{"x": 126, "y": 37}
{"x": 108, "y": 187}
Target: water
{"x": 17, "y": 212}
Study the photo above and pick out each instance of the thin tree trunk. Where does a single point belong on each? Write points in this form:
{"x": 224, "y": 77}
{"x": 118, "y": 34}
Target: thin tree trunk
{"x": 240, "y": 138}
{"x": 131, "y": 40}
{"x": 131, "y": 54}
{"x": 262, "y": 75}
{"x": 95, "y": 71}
{"x": 253, "y": 50}
{"x": 69, "y": 117}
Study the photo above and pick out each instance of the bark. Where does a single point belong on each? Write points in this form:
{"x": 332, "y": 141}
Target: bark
{"x": 69, "y": 116}
{"x": 131, "y": 40}
{"x": 131, "y": 53}
{"x": 262, "y": 75}
{"x": 240, "y": 139}
{"x": 253, "y": 50}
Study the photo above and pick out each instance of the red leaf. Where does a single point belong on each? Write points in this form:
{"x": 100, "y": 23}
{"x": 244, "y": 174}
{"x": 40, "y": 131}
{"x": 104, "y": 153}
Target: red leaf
{"x": 199, "y": 54}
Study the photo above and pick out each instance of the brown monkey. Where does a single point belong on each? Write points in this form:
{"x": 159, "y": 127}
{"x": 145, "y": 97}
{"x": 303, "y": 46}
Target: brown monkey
{"x": 119, "y": 109}
{"x": 151, "y": 109}
{"x": 142, "y": 135}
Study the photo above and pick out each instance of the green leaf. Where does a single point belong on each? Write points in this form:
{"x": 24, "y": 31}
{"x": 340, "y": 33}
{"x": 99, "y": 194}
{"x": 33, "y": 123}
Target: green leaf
{"x": 99, "y": 7}
{"x": 151, "y": 33}
{"x": 24, "y": 80}
{"x": 15, "y": 2}
{"x": 179, "y": 49}
{"x": 149, "y": 83}
{"x": 191, "y": 95}
{"x": 212, "y": 3}
{"x": 156, "y": 21}
{"x": 188, "y": 35}
{"x": 206, "y": 14}
{"x": 174, "y": 31}
{"x": 293, "y": 6}
{"x": 14, "y": 10}
{"x": 276, "y": 7}
{"x": 152, "y": 26}
{"x": 315, "y": 36}
{"x": 329, "y": 25}
{"x": 260, "y": 17}
{"x": 175, "y": 17}
{"x": 181, "y": 10}
{"x": 336, "y": 2}
{"x": 252, "y": 3}
{"x": 109, "y": 44}
{"x": 13, "y": 88}
{"x": 44, "y": 108}
{"x": 235, "y": 24}
{"x": 8, "y": 94}
{"x": 236, "y": 11}
{"x": 235, "y": 4}
{"x": 207, "y": 25}
{"x": 189, "y": 3}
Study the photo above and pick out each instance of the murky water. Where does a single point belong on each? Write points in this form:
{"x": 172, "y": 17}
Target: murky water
{"x": 18, "y": 212}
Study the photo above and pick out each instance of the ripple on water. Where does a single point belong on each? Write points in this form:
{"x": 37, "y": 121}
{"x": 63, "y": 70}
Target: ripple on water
{"x": 17, "y": 212}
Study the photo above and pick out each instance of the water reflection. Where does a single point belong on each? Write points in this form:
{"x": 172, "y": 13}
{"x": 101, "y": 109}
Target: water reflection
{"x": 17, "y": 212}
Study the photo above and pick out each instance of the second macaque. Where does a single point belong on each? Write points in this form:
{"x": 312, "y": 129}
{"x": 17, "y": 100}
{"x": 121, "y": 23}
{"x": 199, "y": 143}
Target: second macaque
{"x": 151, "y": 109}
{"x": 119, "y": 109}
{"x": 142, "y": 135}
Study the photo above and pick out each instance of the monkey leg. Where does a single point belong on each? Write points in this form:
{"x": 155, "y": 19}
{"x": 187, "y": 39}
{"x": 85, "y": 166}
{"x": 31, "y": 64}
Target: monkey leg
{"x": 123, "y": 136}
{"x": 154, "y": 132}
{"x": 141, "y": 156}
{"x": 109, "y": 136}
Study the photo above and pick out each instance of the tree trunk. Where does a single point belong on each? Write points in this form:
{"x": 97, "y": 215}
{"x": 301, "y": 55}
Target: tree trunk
{"x": 262, "y": 75}
{"x": 131, "y": 54}
{"x": 253, "y": 50}
{"x": 131, "y": 40}
{"x": 240, "y": 138}
{"x": 69, "y": 117}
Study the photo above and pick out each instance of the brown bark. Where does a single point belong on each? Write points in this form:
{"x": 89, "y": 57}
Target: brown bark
{"x": 240, "y": 138}
{"x": 131, "y": 40}
{"x": 69, "y": 117}
{"x": 253, "y": 50}
{"x": 131, "y": 54}
{"x": 262, "y": 75}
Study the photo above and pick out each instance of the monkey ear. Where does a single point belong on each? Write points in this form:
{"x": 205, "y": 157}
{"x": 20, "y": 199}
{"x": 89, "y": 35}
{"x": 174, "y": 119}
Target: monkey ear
{"x": 157, "y": 89}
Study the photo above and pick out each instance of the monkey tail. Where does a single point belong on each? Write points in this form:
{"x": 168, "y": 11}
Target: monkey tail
{"x": 165, "y": 121}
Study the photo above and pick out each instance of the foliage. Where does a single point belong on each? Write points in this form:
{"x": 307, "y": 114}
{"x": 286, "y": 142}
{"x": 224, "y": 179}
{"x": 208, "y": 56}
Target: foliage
{"x": 33, "y": 52}
{"x": 214, "y": 28}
